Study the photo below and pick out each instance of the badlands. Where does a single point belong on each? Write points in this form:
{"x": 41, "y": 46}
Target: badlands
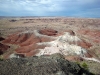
{"x": 77, "y": 39}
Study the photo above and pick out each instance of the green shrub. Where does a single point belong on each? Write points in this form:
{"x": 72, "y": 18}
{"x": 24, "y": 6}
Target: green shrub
{"x": 85, "y": 66}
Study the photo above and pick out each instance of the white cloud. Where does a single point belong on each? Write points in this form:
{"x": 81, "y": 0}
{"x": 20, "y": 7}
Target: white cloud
{"x": 33, "y": 5}
{"x": 46, "y": 7}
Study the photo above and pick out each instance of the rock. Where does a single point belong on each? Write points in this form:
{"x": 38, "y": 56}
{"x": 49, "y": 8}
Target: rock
{"x": 71, "y": 32}
{"x": 14, "y": 56}
{"x": 43, "y": 65}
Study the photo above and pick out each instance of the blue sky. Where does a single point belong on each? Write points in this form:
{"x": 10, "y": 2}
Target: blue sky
{"x": 69, "y": 8}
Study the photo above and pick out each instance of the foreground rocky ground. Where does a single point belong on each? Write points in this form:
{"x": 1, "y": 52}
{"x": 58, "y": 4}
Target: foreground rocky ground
{"x": 55, "y": 64}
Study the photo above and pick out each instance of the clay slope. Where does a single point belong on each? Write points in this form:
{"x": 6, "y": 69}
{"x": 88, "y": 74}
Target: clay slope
{"x": 28, "y": 40}
{"x": 93, "y": 35}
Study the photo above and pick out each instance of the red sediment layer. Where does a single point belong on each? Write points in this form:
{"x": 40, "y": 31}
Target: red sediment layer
{"x": 93, "y": 34}
{"x": 49, "y": 32}
{"x": 84, "y": 44}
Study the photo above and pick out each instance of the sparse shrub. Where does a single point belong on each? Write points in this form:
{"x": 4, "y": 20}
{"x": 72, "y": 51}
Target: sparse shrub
{"x": 85, "y": 66}
{"x": 13, "y": 20}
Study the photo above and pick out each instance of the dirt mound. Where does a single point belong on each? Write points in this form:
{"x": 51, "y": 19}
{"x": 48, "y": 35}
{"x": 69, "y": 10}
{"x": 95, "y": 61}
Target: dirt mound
{"x": 16, "y": 38}
{"x": 71, "y": 32}
{"x": 3, "y": 48}
{"x": 27, "y": 42}
{"x": 49, "y": 32}
{"x": 80, "y": 42}
{"x": 24, "y": 39}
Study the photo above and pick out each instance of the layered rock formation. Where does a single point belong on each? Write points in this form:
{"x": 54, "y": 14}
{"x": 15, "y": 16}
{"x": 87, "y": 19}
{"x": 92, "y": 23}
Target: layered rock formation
{"x": 47, "y": 42}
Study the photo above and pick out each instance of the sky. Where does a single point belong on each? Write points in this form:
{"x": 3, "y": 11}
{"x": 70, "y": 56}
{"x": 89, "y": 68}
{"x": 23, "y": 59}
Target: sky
{"x": 68, "y": 8}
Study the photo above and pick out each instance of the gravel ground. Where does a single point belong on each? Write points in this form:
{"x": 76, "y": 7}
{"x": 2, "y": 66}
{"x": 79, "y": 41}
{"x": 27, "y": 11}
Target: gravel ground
{"x": 44, "y": 65}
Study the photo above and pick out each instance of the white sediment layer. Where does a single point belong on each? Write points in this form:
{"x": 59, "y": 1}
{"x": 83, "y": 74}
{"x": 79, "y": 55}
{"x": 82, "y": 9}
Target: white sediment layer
{"x": 61, "y": 45}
